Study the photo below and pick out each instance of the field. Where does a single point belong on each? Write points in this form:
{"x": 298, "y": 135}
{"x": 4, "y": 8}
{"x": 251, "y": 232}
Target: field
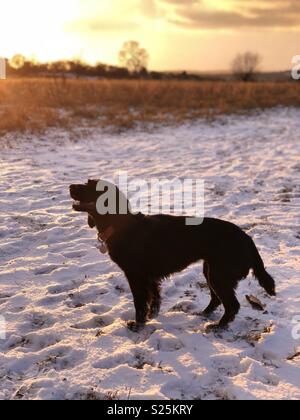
{"x": 36, "y": 104}
{"x": 66, "y": 306}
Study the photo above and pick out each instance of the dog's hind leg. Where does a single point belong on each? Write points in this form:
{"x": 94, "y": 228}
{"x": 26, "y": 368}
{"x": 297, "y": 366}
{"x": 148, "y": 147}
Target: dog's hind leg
{"x": 215, "y": 301}
{"x": 224, "y": 289}
{"x": 213, "y": 304}
{"x": 155, "y": 300}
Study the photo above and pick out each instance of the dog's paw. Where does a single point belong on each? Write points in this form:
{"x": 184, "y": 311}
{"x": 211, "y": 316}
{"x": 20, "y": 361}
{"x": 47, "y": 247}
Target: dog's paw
{"x": 215, "y": 327}
{"x": 153, "y": 313}
{"x": 134, "y": 327}
{"x": 202, "y": 314}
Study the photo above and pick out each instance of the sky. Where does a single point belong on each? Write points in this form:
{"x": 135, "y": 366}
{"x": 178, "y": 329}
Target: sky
{"x": 199, "y": 35}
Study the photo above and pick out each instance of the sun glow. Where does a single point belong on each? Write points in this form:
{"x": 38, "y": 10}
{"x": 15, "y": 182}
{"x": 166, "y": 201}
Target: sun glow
{"x": 175, "y": 33}
{"x": 35, "y": 27}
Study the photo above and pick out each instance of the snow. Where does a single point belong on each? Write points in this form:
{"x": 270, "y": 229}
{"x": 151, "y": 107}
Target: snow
{"x": 66, "y": 306}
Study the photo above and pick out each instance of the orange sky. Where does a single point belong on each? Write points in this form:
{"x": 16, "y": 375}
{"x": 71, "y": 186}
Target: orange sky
{"x": 178, "y": 34}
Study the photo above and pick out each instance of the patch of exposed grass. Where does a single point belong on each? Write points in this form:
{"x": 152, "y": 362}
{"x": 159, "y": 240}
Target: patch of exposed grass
{"x": 37, "y": 104}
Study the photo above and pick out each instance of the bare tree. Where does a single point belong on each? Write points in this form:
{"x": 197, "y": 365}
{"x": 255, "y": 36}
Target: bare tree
{"x": 133, "y": 57}
{"x": 245, "y": 66}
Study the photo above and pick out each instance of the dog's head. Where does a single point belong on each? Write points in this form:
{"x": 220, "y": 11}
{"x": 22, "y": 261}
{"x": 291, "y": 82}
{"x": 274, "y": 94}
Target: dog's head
{"x": 102, "y": 200}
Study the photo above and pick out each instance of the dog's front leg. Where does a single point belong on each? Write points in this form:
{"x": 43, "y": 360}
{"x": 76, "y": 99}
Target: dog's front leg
{"x": 140, "y": 298}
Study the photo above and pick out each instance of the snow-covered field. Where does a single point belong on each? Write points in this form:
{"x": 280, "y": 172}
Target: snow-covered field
{"x": 66, "y": 306}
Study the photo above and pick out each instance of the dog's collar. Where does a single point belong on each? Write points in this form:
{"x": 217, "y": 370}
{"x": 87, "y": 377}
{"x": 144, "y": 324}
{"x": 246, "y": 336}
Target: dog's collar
{"x": 103, "y": 237}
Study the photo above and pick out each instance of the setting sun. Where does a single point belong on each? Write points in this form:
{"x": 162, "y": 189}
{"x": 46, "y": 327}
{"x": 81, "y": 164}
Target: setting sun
{"x": 36, "y": 28}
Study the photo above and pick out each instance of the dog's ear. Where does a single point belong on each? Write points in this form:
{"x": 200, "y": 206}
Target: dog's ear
{"x": 91, "y": 222}
{"x": 92, "y": 182}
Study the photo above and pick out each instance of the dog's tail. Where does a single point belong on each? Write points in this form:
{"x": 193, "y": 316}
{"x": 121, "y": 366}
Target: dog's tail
{"x": 263, "y": 277}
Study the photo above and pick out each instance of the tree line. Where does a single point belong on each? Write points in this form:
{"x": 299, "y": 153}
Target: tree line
{"x": 133, "y": 64}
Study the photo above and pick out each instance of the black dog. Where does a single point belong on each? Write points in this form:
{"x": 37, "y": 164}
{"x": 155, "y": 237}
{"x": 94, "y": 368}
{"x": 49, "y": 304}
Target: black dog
{"x": 151, "y": 248}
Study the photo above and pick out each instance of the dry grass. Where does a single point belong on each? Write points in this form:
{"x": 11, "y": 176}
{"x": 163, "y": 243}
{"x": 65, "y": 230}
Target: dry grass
{"x": 37, "y": 104}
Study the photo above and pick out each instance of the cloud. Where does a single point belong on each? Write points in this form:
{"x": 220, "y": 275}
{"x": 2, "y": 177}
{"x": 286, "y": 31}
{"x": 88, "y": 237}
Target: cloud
{"x": 101, "y": 25}
{"x": 149, "y": 8}
{"x": 189, "y": 14}
{"x": 94, "y": 16}
{"x": 288, "y": 7}
{"x": 181, "y": 2}
{"x": 244, "y": 14}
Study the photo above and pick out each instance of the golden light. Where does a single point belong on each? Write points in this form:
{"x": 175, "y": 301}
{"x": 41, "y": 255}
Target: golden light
{"x": 95, "y": 30}
{"x": 35, "y": 27}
